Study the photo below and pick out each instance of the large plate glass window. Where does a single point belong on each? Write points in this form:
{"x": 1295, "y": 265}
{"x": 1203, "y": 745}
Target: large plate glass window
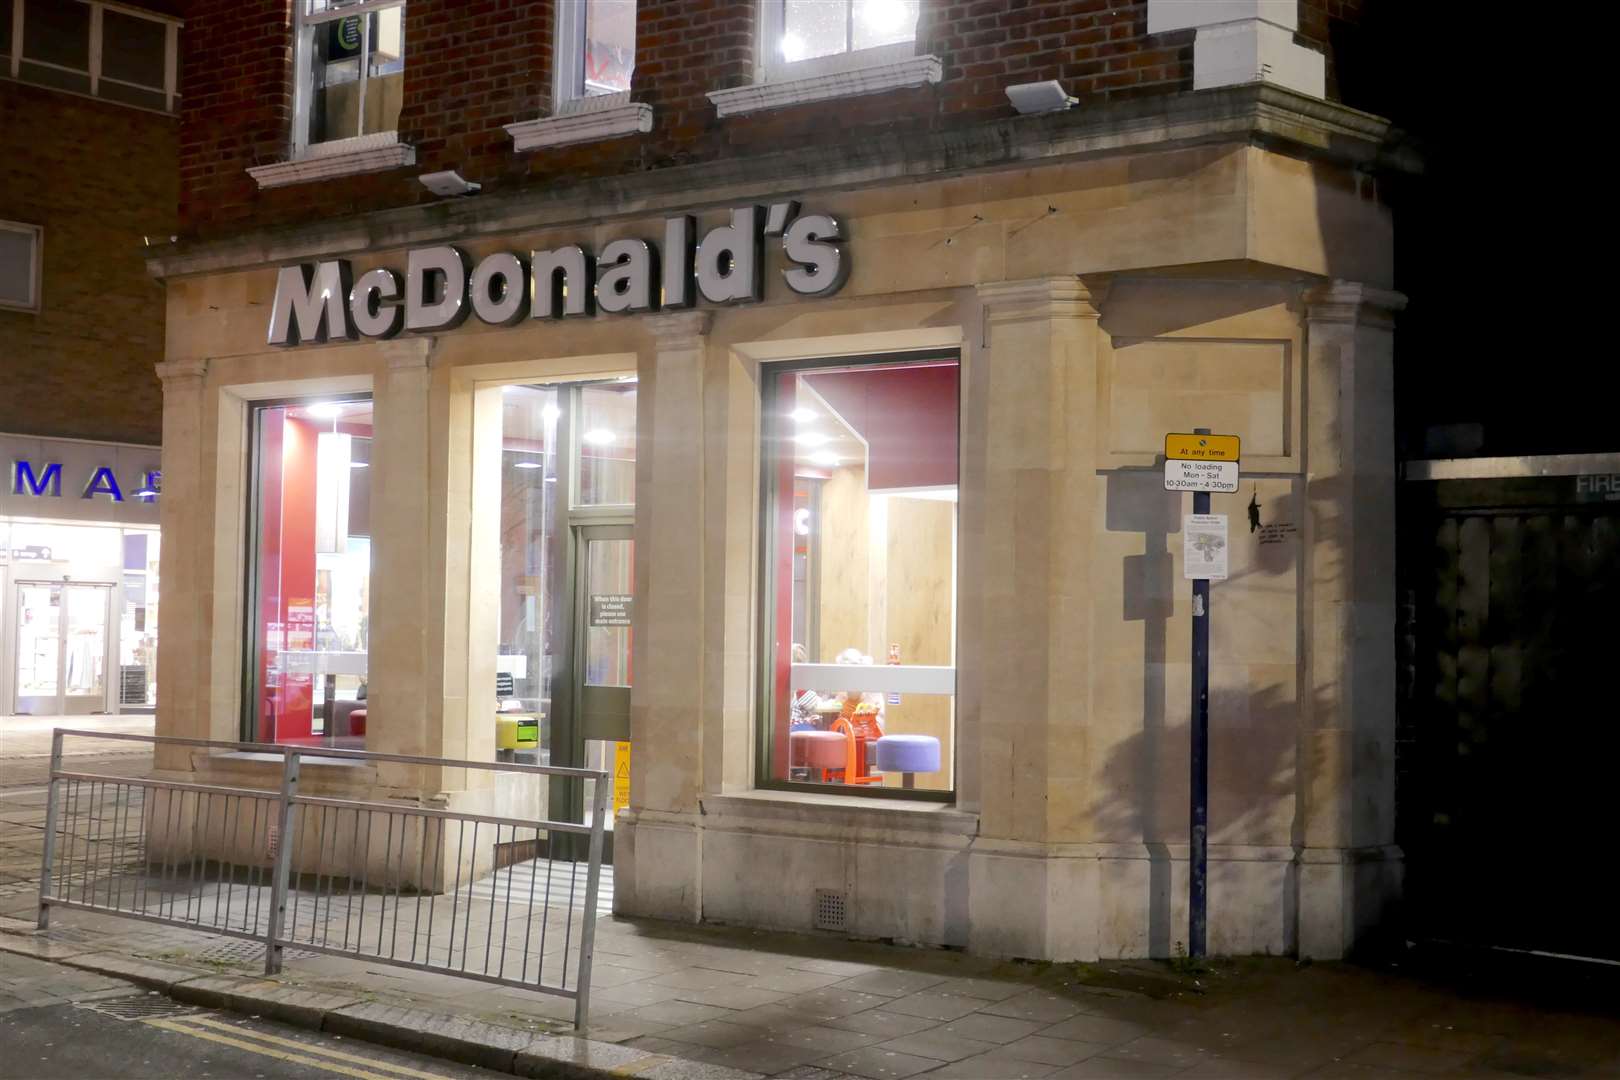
{"x": 806, "y": 37}
{"x": 310, "y": 585}
{"x": 860, "y": 478}
{"x": 596, "y": 48}
{"x": 351, "y": 68}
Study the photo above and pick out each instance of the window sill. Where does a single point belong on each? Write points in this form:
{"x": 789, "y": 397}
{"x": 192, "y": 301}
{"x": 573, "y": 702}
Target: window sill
{"x": 591, "y": 119}
{"x": 844, "y": 810}
{"x": 341, "y": 157}
{"x": 875, "y": 79}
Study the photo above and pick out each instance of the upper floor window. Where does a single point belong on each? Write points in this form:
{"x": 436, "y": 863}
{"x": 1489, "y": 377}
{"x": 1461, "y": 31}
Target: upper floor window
{"x": 86, "y": 47}
{"x": 812, "y": 36}
{"x": 596, "y": 48}
{"x": 351, "y": 69}
{"x": 19, "y": 266}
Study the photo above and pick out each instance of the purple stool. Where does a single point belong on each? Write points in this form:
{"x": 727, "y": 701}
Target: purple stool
{"x": 908, "y": 755}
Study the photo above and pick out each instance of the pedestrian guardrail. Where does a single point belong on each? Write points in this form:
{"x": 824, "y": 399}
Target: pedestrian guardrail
{"x": 433, "y": 888}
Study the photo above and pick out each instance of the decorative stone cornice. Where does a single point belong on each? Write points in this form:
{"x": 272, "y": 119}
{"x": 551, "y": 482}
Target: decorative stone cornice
{"x": 1257, "y": 114}
{"x": 1353, "y": 302}
{"x": 344, "y": 157}
{"x": 176, "y": 372}
{"x": 1039, "y": 298}
{"x": 608, "y": 116}
{"x": 679, "y": 330}
{"x": 895, "y": 75}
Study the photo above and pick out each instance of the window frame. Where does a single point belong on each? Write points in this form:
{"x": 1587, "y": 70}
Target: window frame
{"x": 568, "y": 57}
{"x": 15, "y": 13}
{"x": 764, "y": 733}
{"x": 771, "y": 66}
{"x": 36, "y": 271}
{"x": 304, "y": 29}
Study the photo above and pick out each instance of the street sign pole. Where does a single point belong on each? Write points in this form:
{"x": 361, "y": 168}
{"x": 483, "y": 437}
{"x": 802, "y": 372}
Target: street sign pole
{"x": 1197, "y": 856}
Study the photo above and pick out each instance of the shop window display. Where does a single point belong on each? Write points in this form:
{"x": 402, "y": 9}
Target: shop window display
{"x": 861, "y": 477}
{"x": 312, "y": 573}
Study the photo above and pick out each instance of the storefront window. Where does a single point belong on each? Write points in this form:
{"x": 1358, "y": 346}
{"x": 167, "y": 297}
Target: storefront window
{"x": 312, "y": 572}
{"x": 138, "y": 623}
{"x": 607, "y": 444}
{"x": 861, "y": 488}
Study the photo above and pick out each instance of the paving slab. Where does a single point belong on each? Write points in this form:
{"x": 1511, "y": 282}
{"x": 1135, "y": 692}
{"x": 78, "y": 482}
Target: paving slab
{"x": 993, "y": 1068}
{"x": 879, "y": 1064}
{"x": 990, "y": 1028}
{"x": 938, "y": 1044}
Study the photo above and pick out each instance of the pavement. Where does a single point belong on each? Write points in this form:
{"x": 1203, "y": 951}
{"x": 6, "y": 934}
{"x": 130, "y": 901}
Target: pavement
{"x": 716, "y": 1003}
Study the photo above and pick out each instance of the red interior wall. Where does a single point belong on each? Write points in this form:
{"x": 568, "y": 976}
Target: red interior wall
{"x": 295, "y": 707}
{"x": 269, "y": 599}
{"x": 908, "y": 417}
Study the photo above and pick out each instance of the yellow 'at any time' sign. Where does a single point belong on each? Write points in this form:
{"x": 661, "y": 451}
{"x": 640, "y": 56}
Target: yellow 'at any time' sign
{"x": 1201, "y": 447}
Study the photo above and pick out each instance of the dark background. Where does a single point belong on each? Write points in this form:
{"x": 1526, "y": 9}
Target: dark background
{"x": 1502, "y": 244}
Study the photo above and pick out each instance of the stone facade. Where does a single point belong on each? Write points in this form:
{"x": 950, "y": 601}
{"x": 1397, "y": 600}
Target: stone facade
{"x": 1217, "y": 259}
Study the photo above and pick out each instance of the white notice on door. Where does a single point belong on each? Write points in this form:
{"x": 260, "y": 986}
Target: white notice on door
{"x": 1205, "y": 554}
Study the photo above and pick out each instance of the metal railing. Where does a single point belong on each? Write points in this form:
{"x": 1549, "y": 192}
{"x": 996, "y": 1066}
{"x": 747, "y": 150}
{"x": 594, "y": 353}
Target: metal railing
{"x": 410, "y": 885}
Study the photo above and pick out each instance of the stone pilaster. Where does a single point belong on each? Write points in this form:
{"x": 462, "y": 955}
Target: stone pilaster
{"x": 658, "y": 857}
{"x": 1032, "y": 389}
{"x": 1349, "y": 867}
{"x": 404, "y": 598}
{"x": 185, "y": 661}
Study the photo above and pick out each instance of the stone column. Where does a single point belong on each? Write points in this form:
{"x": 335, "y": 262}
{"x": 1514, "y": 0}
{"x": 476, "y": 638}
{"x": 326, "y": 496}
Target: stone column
{"x": 185, "y": 517}
{"x": 404, "y": 600}
{"x": 1035, "y": 380}
{"x": 658, "y": 847}
{"x": 1349, "y": 867}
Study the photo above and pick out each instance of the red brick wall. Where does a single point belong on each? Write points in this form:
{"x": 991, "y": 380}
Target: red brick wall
{"x": 475, "y": 65}
{"x": 99, "y": 178}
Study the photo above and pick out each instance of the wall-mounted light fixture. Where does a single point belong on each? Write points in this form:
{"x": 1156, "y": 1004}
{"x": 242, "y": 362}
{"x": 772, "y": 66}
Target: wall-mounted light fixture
{"x": 1039, "y": 97}
{"x": 448, "y": 183}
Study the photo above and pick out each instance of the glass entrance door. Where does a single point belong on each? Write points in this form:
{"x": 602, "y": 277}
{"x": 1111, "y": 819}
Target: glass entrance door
{"x": 605, "y": 601}
{"x": 62, "y": 647}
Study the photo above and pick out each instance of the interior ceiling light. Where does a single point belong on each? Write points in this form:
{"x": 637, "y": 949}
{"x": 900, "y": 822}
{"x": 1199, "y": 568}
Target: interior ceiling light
{"x": 549, "y": 413}
{"x": 802, "y": 415}
{"x": 326, "y": 410}
{"x": 525, "y": 464}
{"x": 809, "y": 438}
{"x": 359, "y": 464}
{"x": 599, "y": 436}
{"x": 792, "y": 47}
{"x": 824, "y": 457}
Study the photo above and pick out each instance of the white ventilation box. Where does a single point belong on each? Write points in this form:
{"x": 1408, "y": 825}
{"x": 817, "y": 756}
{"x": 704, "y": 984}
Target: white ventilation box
{"x": 1243, "y": 41}
{"x": 1237, "y": 53}
{"x": 1167, "y": 15}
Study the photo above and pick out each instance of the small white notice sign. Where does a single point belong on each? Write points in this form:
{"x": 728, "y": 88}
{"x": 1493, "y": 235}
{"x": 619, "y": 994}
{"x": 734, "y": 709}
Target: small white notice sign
{"x": 1200, "y": 475}
{"x": 1205, "y": 555}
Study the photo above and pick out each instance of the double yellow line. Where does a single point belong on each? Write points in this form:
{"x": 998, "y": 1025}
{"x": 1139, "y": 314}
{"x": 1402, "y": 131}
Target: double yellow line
{"x": 290, "y": 1050}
